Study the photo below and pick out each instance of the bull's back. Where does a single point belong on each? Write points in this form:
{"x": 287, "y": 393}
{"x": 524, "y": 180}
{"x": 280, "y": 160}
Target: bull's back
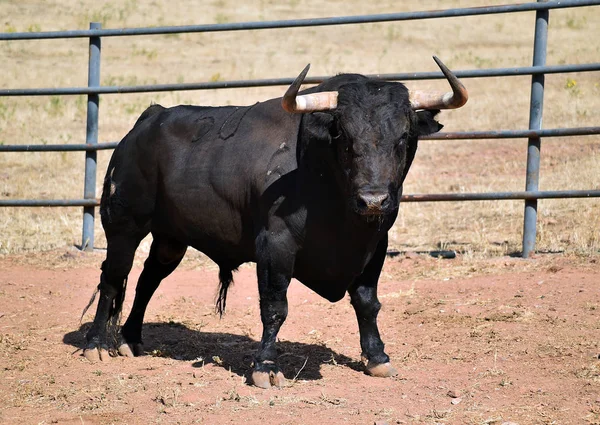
{"x": 200, "y": 172}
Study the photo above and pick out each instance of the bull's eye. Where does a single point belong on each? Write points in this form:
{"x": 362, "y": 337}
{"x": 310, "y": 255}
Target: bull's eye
{"x": 337, "y": 131}
{"x": 347, "y": 153}
{"x": 403, "y": 138}
{"x": 400, "y": 147}
{"x": 402, "y": 141}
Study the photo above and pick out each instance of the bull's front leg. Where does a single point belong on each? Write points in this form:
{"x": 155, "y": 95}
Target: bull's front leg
{"x": 363, "y": 296}
{"x": 274, "y": 271}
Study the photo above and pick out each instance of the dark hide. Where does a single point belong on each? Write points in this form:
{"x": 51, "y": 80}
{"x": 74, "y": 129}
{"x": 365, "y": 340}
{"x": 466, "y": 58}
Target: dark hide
{"x": 309, "y": 196}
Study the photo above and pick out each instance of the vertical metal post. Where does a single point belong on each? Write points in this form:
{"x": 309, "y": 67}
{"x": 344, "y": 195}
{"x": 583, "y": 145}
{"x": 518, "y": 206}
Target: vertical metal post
{"x": 89, "y": 191}
{"x": 535, "y": 123}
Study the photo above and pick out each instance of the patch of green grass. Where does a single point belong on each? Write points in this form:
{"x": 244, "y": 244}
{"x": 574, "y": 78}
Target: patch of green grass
{"x": 393, "y": 34}
{"x": 7, "y": 111}
{"x": 576, "y": 23}
{"x": 101, "y": 16}
{"x": 482, "y": 62}
{"x": 132, "y": 108}
{"x": 150, "y": 54}
{"x": 120, "y": 80}
{"x": 111, "y": 13}
{"x": 81, "y": 104}
{"x": 221, "y": 18}
{"x": 56, "y": 106}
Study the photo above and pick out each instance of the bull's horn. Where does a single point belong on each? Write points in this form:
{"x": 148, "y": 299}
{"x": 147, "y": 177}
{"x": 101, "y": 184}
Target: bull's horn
{"x": 321, "y": 101}
{"x": 420, "y": 99}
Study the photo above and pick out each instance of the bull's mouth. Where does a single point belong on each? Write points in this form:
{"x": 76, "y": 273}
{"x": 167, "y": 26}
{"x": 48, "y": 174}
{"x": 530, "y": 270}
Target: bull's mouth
{"x": 377, "y": 218}
{"x": 373, "y": 205}
{"x": 371, "y": 212}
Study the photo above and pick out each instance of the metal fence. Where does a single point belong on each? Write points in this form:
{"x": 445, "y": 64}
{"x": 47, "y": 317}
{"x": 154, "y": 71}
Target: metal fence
{"x": 534, "y": 133}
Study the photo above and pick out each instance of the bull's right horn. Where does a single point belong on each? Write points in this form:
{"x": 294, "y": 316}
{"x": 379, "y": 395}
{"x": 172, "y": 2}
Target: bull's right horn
{"x": 322, "y": 101}
{"x": 421, "y": 99}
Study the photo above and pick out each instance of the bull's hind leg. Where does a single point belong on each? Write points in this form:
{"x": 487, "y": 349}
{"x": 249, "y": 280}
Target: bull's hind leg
{"x": 165, "y": 256}
{"x": 363, "y": 296}
{"x": 115, "y": 269}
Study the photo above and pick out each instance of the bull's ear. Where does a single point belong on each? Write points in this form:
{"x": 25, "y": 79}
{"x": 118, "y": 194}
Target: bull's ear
{"x": 319, "y": 127}
{"x": 426, "y": 123}
{"x": 325, "y": 118}
{"x": 325, "y": 123}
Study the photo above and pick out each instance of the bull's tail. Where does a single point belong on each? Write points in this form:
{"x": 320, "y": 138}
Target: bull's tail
{"x": 89, "y": 304}
{"x": 116, "y": 309}
{"x": 225, "y": 280}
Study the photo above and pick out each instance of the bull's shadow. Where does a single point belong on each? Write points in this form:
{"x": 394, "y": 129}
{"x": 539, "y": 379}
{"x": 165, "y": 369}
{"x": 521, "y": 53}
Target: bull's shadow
{"x": 230, "y": 351}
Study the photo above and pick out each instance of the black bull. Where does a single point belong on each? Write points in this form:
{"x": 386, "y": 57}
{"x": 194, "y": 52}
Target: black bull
{"x": 306, "y": 195}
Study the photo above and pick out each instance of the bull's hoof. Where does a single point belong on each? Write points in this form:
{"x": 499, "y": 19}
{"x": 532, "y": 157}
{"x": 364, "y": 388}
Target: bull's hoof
{"x": 266, "y": 374}
{"x": 381, "y": 370}
{"x": 269, "y": 379}
{"x": 131, "y": 350}
{"x": 125, "y": 350}
{"x": 96, "y": 354}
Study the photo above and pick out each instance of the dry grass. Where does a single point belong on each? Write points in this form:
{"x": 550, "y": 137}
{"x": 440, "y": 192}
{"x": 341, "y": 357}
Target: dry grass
{"x": 477, "y": 228}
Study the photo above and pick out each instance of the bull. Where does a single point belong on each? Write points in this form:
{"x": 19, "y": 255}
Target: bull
{"x": 306, "y": 186}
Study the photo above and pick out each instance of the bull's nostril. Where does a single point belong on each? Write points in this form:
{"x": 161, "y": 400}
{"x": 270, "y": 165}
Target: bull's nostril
{"x": 385, "y": 200}
{"x": 361, "y": 203}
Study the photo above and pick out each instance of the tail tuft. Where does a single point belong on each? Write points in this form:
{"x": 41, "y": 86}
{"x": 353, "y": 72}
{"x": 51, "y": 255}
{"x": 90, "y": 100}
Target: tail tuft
{"x": 225, "y": 279}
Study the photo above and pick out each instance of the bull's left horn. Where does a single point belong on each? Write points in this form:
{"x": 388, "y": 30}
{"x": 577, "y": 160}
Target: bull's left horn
{"x": 420, "y": 99}
{"x": 321, "y": 101}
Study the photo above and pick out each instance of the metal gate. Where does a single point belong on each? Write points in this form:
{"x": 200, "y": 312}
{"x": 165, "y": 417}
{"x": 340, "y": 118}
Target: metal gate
{"x": 534, "y": 133}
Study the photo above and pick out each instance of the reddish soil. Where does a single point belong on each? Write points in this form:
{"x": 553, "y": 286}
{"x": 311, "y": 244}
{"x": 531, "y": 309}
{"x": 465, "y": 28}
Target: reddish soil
{"x": 491, "y": 341}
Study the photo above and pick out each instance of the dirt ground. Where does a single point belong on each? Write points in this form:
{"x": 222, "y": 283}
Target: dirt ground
{"x": 492, "y": 341}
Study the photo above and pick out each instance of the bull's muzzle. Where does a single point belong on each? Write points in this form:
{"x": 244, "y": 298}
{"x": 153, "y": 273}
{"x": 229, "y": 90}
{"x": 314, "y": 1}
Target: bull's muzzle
{"x": 369, "y": 203}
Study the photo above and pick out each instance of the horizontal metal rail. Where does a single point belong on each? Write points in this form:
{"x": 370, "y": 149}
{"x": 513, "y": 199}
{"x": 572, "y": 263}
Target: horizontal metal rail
{"x": 59, "y": 148}
{"x": 458, "y": 135}
{"x": 491, "y": 72}
{"x": 49, "y": 202}
{"x": 270, "y": 82}
{"x": 512, "y": 134}
{"x": 434, "y": 197}
{"x": 295, "y": 23}
{"x": 500, "y": 196}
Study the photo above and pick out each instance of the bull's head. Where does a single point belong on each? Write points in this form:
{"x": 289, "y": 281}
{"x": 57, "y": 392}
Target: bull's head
{"x": 373, "y": 127}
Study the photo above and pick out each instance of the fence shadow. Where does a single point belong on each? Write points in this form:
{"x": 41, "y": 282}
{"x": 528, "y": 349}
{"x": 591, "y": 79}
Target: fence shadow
{"x": 229, "y": 351}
